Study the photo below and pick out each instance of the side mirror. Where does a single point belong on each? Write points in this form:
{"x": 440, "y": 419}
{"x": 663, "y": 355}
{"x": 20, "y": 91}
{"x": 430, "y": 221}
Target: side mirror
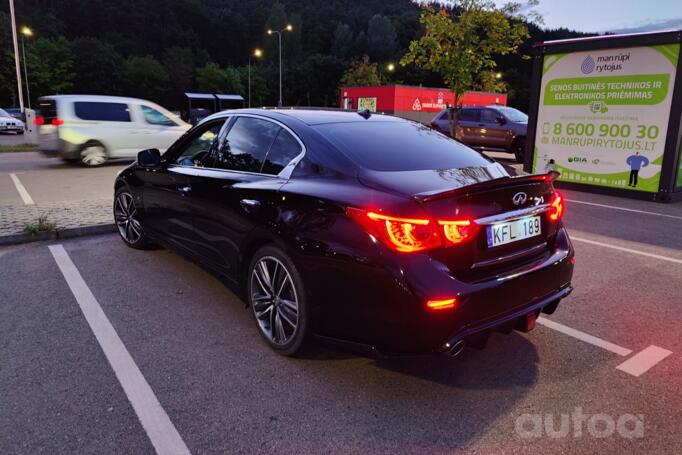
{"x": 149, "y": 158}
{"x": 501, "y": 120}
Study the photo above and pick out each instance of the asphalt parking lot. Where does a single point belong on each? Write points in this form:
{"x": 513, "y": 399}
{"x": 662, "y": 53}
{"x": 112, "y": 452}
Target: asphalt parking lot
{"x": 111, "y": 350}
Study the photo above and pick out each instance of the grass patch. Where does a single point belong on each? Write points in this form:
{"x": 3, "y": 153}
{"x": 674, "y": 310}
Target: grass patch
{"x": 41, "y": 225}
{"x": 8, "y": 148}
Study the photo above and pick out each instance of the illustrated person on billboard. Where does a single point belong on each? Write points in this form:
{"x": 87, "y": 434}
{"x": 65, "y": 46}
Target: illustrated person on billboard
{"x": 549, "y": 167}
{"x": 636, "y": 162}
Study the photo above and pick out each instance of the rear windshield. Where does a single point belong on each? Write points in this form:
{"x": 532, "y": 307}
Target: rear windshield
{"x": 48, "y": 109}
{"x": 104, "y": 112}
{"x": 399, "y": 146}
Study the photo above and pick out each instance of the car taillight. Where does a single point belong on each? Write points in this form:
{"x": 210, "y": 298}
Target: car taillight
{"x": 57, "y": 121}
{"x": 410, "y": 235}
{"x": 39, "y": 120}
{"x": 556, "y": 207}
{"x": 457, "y": 231}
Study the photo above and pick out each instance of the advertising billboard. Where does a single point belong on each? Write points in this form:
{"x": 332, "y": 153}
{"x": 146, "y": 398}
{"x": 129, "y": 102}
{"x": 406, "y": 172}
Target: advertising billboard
{"x": 603, "y": 115}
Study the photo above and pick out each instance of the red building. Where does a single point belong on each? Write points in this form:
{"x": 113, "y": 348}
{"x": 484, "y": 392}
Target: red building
{"x": 415, "y": 103}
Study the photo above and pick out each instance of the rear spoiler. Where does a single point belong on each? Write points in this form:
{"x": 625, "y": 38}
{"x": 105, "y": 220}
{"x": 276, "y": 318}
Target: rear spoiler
{"x": 488, "y": 184}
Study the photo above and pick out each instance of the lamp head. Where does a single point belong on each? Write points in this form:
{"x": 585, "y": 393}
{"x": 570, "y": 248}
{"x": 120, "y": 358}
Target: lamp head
{"x": 289, "y": 28}
{"x": 257, "y": 53}
{"x": 26, "y": 31}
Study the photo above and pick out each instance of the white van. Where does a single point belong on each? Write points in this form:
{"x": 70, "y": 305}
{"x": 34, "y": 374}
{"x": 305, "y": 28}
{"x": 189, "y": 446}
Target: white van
{"x": 91, "y": 129}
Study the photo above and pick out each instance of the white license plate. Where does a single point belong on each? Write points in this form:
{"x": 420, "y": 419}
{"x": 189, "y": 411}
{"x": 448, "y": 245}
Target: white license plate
{"x": 513, "y": 231}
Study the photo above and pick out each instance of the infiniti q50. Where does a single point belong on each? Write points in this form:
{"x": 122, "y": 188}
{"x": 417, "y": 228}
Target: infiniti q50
{"x": 355, "y": 228}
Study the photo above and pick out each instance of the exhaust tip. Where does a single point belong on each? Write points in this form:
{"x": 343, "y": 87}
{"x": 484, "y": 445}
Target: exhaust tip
{"x": 455, "y": 349}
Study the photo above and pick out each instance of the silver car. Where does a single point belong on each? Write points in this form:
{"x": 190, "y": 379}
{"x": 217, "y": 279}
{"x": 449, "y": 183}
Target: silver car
{"x": 10, "y": 124}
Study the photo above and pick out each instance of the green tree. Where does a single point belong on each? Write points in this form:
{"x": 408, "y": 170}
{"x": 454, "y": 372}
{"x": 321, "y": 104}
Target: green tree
{"x": 211, "y": 78}
{"x": 382, "y": 39}
{"x": 179, "y": 64}
{"x": 147, "y": 78}
{"x": 99, "y": 69}
{"x": 463, "y": 48}
{"x": 8, "y": 76}
{"x": 50, "y": 66}
{"x": 344, "y": 41}
{"x": 179, "y": 61}
{"x": 362, "y": 73}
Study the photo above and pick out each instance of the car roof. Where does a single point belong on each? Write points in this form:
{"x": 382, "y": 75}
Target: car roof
{"x": 312, "y": 116}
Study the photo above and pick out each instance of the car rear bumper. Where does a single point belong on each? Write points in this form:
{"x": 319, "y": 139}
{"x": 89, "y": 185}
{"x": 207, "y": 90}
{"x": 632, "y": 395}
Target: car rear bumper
{"x": 380, "y": 301}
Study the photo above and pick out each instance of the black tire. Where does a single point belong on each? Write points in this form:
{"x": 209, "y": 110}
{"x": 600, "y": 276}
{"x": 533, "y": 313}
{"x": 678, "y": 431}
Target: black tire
{"x": 292, "y": 344}
{"x": 93, "y": 154}
{"x": 519, "y": 149}
{"x": 127, "y": 223}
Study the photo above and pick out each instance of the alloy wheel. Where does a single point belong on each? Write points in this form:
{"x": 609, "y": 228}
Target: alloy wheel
{"x": 125, "y": 215}
{"x": 93, "y": 155}
{"x": 274, "y": 300}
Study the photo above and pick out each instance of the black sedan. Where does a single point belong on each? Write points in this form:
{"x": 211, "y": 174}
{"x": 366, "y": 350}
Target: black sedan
{"x": 361, "y": 229}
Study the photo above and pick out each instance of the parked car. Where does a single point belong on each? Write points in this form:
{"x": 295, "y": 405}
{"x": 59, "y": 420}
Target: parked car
{"x": 16, "y": 113}
{"x": 9, "y": 124}
{"x": 333, "y": 226}
{"x": 91, "y": 129}
{"x": 494, "y": 128}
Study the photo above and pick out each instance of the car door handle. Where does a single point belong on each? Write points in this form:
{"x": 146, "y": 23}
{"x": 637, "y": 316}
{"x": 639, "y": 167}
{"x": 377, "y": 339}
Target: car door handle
{"x": 185, "y": 190}
{"x": 249, "y": 205}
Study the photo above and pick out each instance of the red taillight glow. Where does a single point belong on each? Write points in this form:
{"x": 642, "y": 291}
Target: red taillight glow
{"x": 57, "y": 121}
{"x": 410, "y": 235}
{"x": 556, "y": 207}
{"x": 441, "y": 304}
{"x": 39, "y": 120}
{"x": 407, "y": 235}
{"x": 457, "y": 231}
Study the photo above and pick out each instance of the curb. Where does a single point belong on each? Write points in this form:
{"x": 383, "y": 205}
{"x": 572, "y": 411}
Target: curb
{"x": 81, "y": 231}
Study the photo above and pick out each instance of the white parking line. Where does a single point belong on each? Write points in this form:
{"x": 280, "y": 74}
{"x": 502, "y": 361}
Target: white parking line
{"x": 22, "y": 191}
{"x": 636, "y": 365}
{"x": 158, "y": 426}
{"x": 641, "y": 362}
{"x": 627, "y": 250}
{"x": 625, "y": 209}
{"x": 587, "y": 338}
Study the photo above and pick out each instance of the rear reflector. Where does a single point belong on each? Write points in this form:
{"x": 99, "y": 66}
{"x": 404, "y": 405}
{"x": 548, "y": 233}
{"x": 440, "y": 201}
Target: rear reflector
{"x": 441, "y": 304}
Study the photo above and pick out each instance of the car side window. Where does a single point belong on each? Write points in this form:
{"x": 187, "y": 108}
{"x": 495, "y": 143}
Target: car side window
{"x": 102, "y": 111}
{"x": 469, "y": 115}
{"x": 489, "y": 116}
{"x": 196, "y": 151}
{"x": 284, "y": 149}
{"x": 246, "y": 145}
{"x": 154, "y": 117}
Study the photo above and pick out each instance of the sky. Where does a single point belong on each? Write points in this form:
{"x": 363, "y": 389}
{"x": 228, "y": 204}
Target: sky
{"x": 620, "y": 16}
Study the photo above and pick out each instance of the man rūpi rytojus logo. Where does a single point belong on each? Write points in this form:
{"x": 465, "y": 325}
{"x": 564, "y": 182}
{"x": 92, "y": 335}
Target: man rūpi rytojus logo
{"x": 588, "y": 65}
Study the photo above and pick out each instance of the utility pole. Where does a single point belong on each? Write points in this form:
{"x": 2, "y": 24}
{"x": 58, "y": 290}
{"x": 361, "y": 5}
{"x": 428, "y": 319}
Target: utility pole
{"x": 16, "y": 54}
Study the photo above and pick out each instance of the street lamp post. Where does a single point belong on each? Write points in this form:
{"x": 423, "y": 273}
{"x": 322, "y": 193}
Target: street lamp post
{"x": 288, "y": 28}
{"x": 256, "y": 53}
{"x": 26, "y": 32}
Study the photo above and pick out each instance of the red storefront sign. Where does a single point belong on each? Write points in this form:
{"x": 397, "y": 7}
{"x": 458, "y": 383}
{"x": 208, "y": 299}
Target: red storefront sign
{"x": 394, "y": 98}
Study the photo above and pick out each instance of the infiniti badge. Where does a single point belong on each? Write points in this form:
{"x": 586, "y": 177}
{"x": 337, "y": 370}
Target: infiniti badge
{"x": 519, "y": 198}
